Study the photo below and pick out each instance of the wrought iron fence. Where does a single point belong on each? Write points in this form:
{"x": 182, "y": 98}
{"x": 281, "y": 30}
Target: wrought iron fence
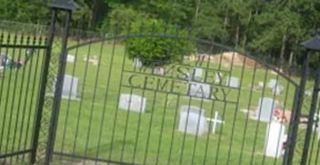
{"x": 95, "y": 98}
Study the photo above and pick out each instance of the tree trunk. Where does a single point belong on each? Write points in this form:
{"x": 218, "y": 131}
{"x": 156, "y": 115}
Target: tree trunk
{"x": 226, "y": 20}
{"x": 291, "y": 58}
{"x": 245, "y": 35}
{"x": 283, "y": 48}
{"x": 196, "y": 15}
{"x": 237, "y": 35}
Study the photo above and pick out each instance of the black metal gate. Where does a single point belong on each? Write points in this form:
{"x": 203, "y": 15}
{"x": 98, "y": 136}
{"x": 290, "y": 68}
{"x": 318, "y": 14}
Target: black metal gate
{"x": 212, "y": 107}
{"x": 23, "y": 76}
{"x": 109, "y": 104}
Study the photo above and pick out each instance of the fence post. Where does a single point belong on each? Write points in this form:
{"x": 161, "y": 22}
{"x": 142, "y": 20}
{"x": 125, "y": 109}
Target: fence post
{"x": 296, "y": 112}
{"x": 311, "y": 118}
{"x": 58, "y": 90}
{"x": 42, "y": 92}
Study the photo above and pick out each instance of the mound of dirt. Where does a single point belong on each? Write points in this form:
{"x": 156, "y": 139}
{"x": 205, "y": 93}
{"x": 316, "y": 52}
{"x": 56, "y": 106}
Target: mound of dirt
{"x": 227, "y": 58}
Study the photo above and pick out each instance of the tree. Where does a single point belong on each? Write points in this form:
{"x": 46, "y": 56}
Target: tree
{"x": 160, "y": 43}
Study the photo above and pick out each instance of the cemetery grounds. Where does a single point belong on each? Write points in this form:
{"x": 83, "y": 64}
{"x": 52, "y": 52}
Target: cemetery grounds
{"x": 90, "y": 125}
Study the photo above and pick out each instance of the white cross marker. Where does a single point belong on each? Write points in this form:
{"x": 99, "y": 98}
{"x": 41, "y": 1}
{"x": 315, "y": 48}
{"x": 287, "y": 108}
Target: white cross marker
{"x": 215, "y": 121}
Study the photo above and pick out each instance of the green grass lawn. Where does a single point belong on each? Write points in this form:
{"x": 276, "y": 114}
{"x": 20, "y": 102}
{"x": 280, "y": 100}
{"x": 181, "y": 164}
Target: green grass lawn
{"x": 153, "y": 137}
{"x": 95, "y": 127}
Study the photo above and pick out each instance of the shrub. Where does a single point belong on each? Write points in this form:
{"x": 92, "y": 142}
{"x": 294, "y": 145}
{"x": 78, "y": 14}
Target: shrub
{"x": 157, "y": 44}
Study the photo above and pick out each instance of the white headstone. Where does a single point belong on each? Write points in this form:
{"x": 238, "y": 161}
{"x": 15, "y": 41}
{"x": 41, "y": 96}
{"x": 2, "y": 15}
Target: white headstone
{"x": 216, "y": 122}
{"x": 132, "y": 102}
{"x": 316, "y": 124}
{"x": 260, "y": 84}
{"x": 70, "y": 58}
{"x": 158, "y": 71}
{"x": 272, "y": 83}
{"x": 193, "y": 120}
{"x": 70, "y": 87}
{"x": 277, "y": 89}
{"x": 197, "y": 74}
{"x": 200, "y": 90}
{"x": 233, "y": 82}
{"x": 308, "y": 93}
{"x": 265, "y": 109}
{"x": 218, "y": 77}
{"x": 137, "y": 63}
{"x": 92, "y": 59}
{"x": 275, "y": 139}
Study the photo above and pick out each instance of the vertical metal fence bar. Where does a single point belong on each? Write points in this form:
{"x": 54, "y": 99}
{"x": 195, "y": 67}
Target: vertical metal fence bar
{"x": 225, "y": 102}
{"x": 7, "y": 99}
{"x": 105, "y": 101}
{"x": 24, "y": 109}
{"x": 237, "y": 109}
{"x": 42, "y": 92}
{"x": 26, "y": 106}
{"x": 66, "y": 119}
{"x": 284, "y": 111}
{"x": 295, "y": 116}
{"x": 317, "y": 155}
{"x": 20, "y": 93}
{"x": 314, "y": 139}
{"x": 58, "y": 90}
{"x": 94, "y": 97}
{"x": 247, "y": 116}
{"x": 259, "y": 116}
{"x": 313, "y": 109}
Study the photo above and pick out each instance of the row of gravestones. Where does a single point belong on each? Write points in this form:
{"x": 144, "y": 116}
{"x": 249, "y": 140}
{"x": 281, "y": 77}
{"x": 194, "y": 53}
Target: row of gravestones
{"x": 197, "y": 75}
{"x": 193, "y": 121}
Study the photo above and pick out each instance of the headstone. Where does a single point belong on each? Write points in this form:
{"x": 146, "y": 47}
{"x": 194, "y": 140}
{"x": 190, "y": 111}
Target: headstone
{"x": 272, "y": 83}
{"x": 158, "y": 71}
{"x": 132, "y": 102}
{"x": 193, "y": 120}
{"x": 216, "y": 122}
{"x": 233, "y": 82}
{"x": 308, "y": 93}
{"x": 30, "y": 51}
{"x": 316, "y": 124}
{"x": 70, "y": 58}
{"x": 197, "y": 74}
{"x": 277, "y": 89}
{"x": 275, "y": 139}
{"x": 200, "y": 90}
{"x": 70, "y": 87}
{"x": 137, "y": 63}
{"x": 218, "y": 77}
{"x": 92, "y": 59}
{"x": 260, "y": 84}
{"x": 265, "y": 109}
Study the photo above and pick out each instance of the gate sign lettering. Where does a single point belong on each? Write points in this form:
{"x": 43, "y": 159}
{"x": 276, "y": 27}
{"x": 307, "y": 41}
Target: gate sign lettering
{"x": 178, "y": 80}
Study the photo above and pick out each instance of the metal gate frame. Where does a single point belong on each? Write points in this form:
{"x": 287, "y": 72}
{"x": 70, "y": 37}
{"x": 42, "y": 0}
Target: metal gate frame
{"x": 56, "y": 8}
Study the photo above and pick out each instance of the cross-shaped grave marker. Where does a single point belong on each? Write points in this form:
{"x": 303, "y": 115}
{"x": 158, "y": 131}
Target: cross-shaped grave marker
{"x": 216, "y": 121}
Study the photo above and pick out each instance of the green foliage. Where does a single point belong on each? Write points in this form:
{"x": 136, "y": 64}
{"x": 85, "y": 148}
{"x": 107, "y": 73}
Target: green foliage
{"x": 120, "y": 17}
{"x": 161, "y": 44}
